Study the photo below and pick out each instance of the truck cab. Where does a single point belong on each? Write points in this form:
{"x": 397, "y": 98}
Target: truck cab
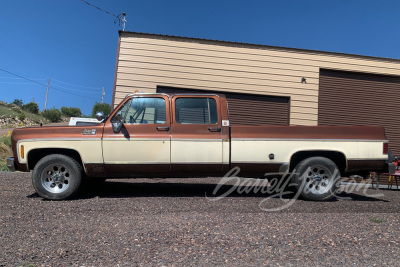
{"x": 163, "y": 135}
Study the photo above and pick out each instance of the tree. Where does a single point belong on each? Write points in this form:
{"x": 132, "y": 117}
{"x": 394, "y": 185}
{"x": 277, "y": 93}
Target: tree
{"x": 53, "y": 115}
{"x": 18, "y": 102}
{"x": 31, "y": 107}
{"x": 71, "y": 112}
{"x": 106, "y": 108}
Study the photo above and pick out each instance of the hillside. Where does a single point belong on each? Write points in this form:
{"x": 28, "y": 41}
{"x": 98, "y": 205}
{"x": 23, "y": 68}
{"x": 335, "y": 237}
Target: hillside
{"x": 11, "y": 117}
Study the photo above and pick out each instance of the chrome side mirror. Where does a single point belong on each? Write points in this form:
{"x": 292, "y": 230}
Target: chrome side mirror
{"x": 116, "y": 126}
{"x": 100, "y": 115}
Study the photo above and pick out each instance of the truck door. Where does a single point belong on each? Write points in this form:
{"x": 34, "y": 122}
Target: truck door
{"x": 196, "y": 136}
{"x": 142, "y": 147}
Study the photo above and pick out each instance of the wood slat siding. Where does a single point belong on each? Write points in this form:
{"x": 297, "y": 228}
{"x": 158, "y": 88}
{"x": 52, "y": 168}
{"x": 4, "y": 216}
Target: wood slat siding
{"x": 347, "y": 98}
{"x": 146, "y": 61}
{"x": 247, "y": 109}
{"x": 278, "y": 53}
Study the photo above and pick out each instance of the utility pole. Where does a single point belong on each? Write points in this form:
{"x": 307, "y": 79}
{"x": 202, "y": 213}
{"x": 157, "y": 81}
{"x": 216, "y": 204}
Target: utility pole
{"x": 48, "y": 85}
{"x": 102, "y": 95}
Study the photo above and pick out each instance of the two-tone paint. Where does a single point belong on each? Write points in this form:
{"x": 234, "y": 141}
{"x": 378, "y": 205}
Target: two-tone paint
{"x": 172, "y": 149}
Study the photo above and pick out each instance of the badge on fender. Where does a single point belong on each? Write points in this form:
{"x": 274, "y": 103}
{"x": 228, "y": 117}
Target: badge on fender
{"x": 89, "y": 132}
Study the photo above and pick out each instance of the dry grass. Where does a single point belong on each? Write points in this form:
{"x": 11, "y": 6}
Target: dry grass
{"x": 5, "y": 150}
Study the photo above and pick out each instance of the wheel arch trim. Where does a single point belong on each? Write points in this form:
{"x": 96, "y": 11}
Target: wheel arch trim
{"x": 53, "y": 150}
{"x": 318, "y": 153}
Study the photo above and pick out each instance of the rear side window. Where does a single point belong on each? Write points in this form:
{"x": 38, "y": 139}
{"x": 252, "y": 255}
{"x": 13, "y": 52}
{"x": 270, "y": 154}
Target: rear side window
{"x": 190, "y": 110}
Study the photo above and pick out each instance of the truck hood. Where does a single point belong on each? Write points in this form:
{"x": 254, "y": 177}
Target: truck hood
{"x": 56, "y": 132}
{"x": 51, "y": 132}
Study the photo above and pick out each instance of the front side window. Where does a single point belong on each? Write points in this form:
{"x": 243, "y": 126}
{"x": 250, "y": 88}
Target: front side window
{"x": 191, "y": 110}
{"x": 144, "y": 110}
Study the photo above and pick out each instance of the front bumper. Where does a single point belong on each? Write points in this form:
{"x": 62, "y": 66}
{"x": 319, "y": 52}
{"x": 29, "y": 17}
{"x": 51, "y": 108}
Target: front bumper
{"x": 11, "y": 164}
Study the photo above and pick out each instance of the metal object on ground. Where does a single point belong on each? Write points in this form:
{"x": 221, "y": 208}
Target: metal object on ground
{"x": 10, "y": 164}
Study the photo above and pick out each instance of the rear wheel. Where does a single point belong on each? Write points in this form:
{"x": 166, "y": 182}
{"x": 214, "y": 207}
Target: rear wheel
{"x": 317, "y": 178}
{"x": 57, "y": 177}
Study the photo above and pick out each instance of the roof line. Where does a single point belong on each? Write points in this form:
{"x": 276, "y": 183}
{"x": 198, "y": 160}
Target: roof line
{"x": 249, "y": 45}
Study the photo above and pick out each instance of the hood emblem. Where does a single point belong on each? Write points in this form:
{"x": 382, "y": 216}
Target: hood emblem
{"x": 89, "y": 132}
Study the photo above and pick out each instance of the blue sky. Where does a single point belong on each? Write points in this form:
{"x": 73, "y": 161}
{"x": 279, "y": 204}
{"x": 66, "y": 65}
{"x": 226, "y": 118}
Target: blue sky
{"x": 75, "y": 45}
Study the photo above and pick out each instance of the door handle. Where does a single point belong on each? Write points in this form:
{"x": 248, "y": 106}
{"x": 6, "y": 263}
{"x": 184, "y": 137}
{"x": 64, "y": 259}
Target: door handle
{"x": 166, "y": 128}
{"x": 214, "y": 129}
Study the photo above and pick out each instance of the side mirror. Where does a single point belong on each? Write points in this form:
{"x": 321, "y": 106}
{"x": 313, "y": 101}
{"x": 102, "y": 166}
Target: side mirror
{"x": 118, "y": 123}
{"x": 100, "y": 116}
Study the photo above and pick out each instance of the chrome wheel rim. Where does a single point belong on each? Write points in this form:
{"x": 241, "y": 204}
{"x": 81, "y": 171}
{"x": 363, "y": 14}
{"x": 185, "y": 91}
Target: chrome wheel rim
{"x": 56, "y": 178}
{"x": 318, "y": 180}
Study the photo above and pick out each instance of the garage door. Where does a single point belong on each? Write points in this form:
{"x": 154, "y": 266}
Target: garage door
{"x": 347, "y": 98}
{"x": 246, "y": 109}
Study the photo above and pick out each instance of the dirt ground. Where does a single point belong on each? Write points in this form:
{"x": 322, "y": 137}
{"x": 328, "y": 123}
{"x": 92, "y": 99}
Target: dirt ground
{"x": 177, "y": 222}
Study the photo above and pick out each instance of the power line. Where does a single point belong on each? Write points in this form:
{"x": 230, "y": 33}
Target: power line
{"x": 42, "y": 84}
{"x": 98, "y": 8}
{"x": 90, "y": 92}
{"x": 82, "y": 86}
{"x": 69, "y": 92}
{"x": 118, "y": 18}
{"x": 13, "y": 83}
{"x": 16, "y": 78}
{"x": 59, "y": 86}
{"x": 22, "y": 77}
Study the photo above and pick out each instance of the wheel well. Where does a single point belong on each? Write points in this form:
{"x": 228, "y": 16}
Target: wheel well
{"x": 37, "y": 154}
{"x": 337, "y": 157}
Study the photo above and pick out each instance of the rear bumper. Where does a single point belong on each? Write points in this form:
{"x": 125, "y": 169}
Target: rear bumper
{"x": 390, "y": 168}
{"x": 361, "y": 167}
{"x": 11, "y": 164}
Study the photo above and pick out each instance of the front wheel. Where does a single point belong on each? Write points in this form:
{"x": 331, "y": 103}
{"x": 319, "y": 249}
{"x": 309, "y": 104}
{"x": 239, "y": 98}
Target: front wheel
{"x": 57, "y": 177}
{"x": 317, "y": 178}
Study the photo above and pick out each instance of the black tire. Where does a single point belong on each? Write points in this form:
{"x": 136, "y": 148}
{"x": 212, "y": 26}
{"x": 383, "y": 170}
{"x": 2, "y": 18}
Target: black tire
{"x": 57, "y": 177}
{"x": 316, "y": 178}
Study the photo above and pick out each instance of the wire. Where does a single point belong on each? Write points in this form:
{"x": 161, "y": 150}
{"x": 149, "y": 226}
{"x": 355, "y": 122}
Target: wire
{"x": 82, "y": 86}
{"x": 99, "y": 8}
{"x": 59, "y": 86}
{"x": 69, "y": 92}
{"x": 20, "y": 78}
{"x": 118, "y": 18}
{"x": 43, "y": 84}
{"x": 13, "y": 83}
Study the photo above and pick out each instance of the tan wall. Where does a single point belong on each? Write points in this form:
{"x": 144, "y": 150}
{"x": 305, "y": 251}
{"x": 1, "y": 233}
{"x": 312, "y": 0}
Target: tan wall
{"x": 148, "y": 61}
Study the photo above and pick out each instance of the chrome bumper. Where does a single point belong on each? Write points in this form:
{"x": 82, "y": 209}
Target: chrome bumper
{"x": 11, "y": 165}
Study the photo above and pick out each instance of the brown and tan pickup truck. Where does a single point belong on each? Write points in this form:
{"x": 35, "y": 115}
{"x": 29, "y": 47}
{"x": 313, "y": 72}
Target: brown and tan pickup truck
{"x": 189, "y": 135}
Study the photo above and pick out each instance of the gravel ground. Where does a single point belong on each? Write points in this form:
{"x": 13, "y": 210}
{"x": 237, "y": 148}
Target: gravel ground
{"x": 171, "y": 223}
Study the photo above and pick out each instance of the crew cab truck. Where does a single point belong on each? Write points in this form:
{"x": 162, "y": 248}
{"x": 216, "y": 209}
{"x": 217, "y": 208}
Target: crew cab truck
{"x": 189, "y": 135}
